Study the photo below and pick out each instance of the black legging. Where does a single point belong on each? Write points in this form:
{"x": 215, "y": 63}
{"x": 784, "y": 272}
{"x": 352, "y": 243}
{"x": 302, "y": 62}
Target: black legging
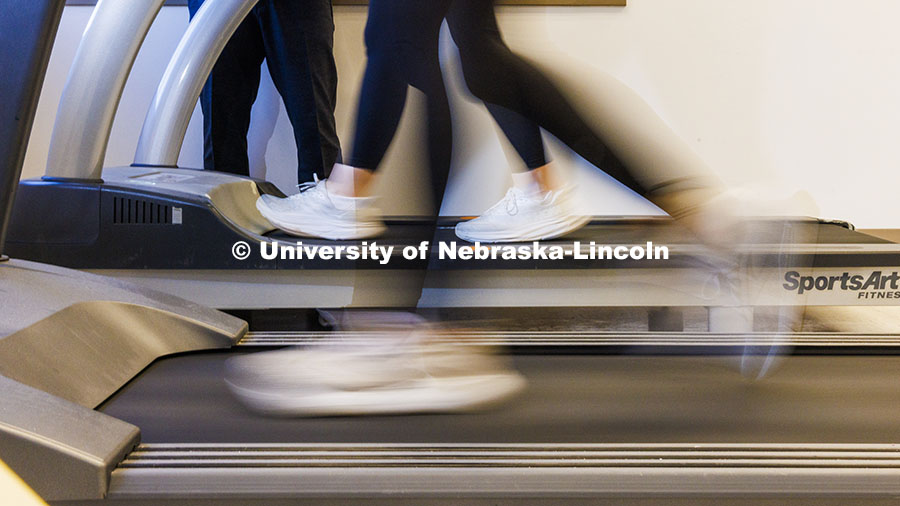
{"x": 402, "y": 38}
{"x": 402, "y": 41}
{"x": 473, "y": 26}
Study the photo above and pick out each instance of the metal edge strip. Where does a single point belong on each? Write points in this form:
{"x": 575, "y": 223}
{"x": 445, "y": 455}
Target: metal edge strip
{"x": 583, "y": 339}
{"x": 463, "y": 470}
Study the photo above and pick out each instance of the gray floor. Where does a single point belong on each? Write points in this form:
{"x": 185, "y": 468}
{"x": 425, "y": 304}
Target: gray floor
{"x": 570, "y": 399}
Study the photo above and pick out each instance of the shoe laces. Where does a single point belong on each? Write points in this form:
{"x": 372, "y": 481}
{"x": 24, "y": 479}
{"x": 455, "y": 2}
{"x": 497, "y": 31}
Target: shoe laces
{"x": 714, "y": 284}
{"x": 726, "y": 283}
{"x": 509, "y": 203}
{"x": 308, "y": 186}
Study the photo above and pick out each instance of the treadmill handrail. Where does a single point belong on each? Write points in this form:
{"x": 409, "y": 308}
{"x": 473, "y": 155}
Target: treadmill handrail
{"x": 170, "y": 111}
{"x": 94, "y": 87}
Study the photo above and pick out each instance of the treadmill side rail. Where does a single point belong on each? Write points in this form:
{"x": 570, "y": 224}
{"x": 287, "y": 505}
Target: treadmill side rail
{"x": 523, "y": 471}
{"x": 81, "y": 337}
{"x": 88, "y": 351}
{"x": 62, "y": 450}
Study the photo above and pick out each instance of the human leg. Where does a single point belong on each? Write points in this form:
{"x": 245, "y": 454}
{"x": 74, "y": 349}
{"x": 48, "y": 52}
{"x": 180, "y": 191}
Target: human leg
{"x": 299, "y": 42}
{"x": 406, "y": 369}
{"x": 227, "y": 98}
{"x": 402, "y": 52}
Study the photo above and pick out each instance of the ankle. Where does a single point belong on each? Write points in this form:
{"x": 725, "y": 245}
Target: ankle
{"x": 339, "y": 189}
{"x": 549, "y": 177}
{"x": 349, "y": 181}
{"x": 526, "y": 182}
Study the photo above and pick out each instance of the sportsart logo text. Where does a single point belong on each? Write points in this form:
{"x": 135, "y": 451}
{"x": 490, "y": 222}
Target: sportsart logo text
{"x": 876, "y": 285}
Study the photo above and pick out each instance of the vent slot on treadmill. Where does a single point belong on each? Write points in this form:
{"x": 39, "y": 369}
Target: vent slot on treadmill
{"x": 140, "y": 212}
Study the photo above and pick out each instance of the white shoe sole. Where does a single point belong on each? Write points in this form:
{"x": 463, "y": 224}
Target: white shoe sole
{"x": 324, "y": 227}
{"x": 426, "y": 395}
{"x": 538, "y": 231}
{"x": 758, "y": 362}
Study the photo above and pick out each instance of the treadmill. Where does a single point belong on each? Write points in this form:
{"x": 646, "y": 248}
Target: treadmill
{"x": 114, "y": 391}
{"x": 173, "y": 229}
{"x": 68, "y": 339}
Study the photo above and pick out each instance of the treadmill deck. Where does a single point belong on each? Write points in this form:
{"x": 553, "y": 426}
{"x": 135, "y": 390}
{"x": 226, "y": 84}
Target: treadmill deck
{"x": 569, "y": 399}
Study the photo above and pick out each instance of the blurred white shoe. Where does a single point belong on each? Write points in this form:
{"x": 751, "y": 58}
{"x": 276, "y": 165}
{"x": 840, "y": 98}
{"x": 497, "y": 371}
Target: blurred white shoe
{"x": 376, "y": 380}
{"x": 315, "y": 212}
{"x": 525, "y": 216}
{"x": 745, "y": 222}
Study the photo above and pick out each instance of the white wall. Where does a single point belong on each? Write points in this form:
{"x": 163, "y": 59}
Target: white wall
{"x": 786, "y": 94}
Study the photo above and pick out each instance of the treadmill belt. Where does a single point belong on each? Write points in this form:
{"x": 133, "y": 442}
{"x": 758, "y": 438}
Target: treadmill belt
{"x": 569, "y": 399}
{"x": 664, "y": 232}
{"x": 398, "y": 233}
{"x": 608, "y": 232}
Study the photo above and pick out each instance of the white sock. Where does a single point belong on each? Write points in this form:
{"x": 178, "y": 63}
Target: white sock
{"x": 526, "y": 182}
{"x": 340, "y": 186}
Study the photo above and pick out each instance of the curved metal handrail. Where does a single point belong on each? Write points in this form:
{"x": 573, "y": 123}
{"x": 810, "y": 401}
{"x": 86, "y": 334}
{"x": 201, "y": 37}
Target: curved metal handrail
{"x": 172, "y": 106}
{"x": 97, "y": 78}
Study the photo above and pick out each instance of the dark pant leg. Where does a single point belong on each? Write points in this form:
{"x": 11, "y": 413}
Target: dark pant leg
{"x": 384, "y": 88}
{"x": 522, "y": 133}
{"x": 402, "y": 38}
{"x": 475, "y": 26}
{"x": 228, "y": 96}
{"x": 498, "y": 76}
{"x": 299, "y": 42}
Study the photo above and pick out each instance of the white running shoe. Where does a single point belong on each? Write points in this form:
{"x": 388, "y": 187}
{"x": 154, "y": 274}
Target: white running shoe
{"x": 521, "y": 217}
{"x": 751, "y": 222}
{"x": 314, "y": 212}
{"x": 345, "y": 380}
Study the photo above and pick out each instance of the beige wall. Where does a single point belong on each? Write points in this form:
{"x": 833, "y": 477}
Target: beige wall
{"x": 784, "y": 94}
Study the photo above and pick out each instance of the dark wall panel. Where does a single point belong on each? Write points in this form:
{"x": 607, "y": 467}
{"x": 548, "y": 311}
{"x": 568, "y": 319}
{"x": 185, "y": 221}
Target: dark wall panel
{"x": 27, "y": 31}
